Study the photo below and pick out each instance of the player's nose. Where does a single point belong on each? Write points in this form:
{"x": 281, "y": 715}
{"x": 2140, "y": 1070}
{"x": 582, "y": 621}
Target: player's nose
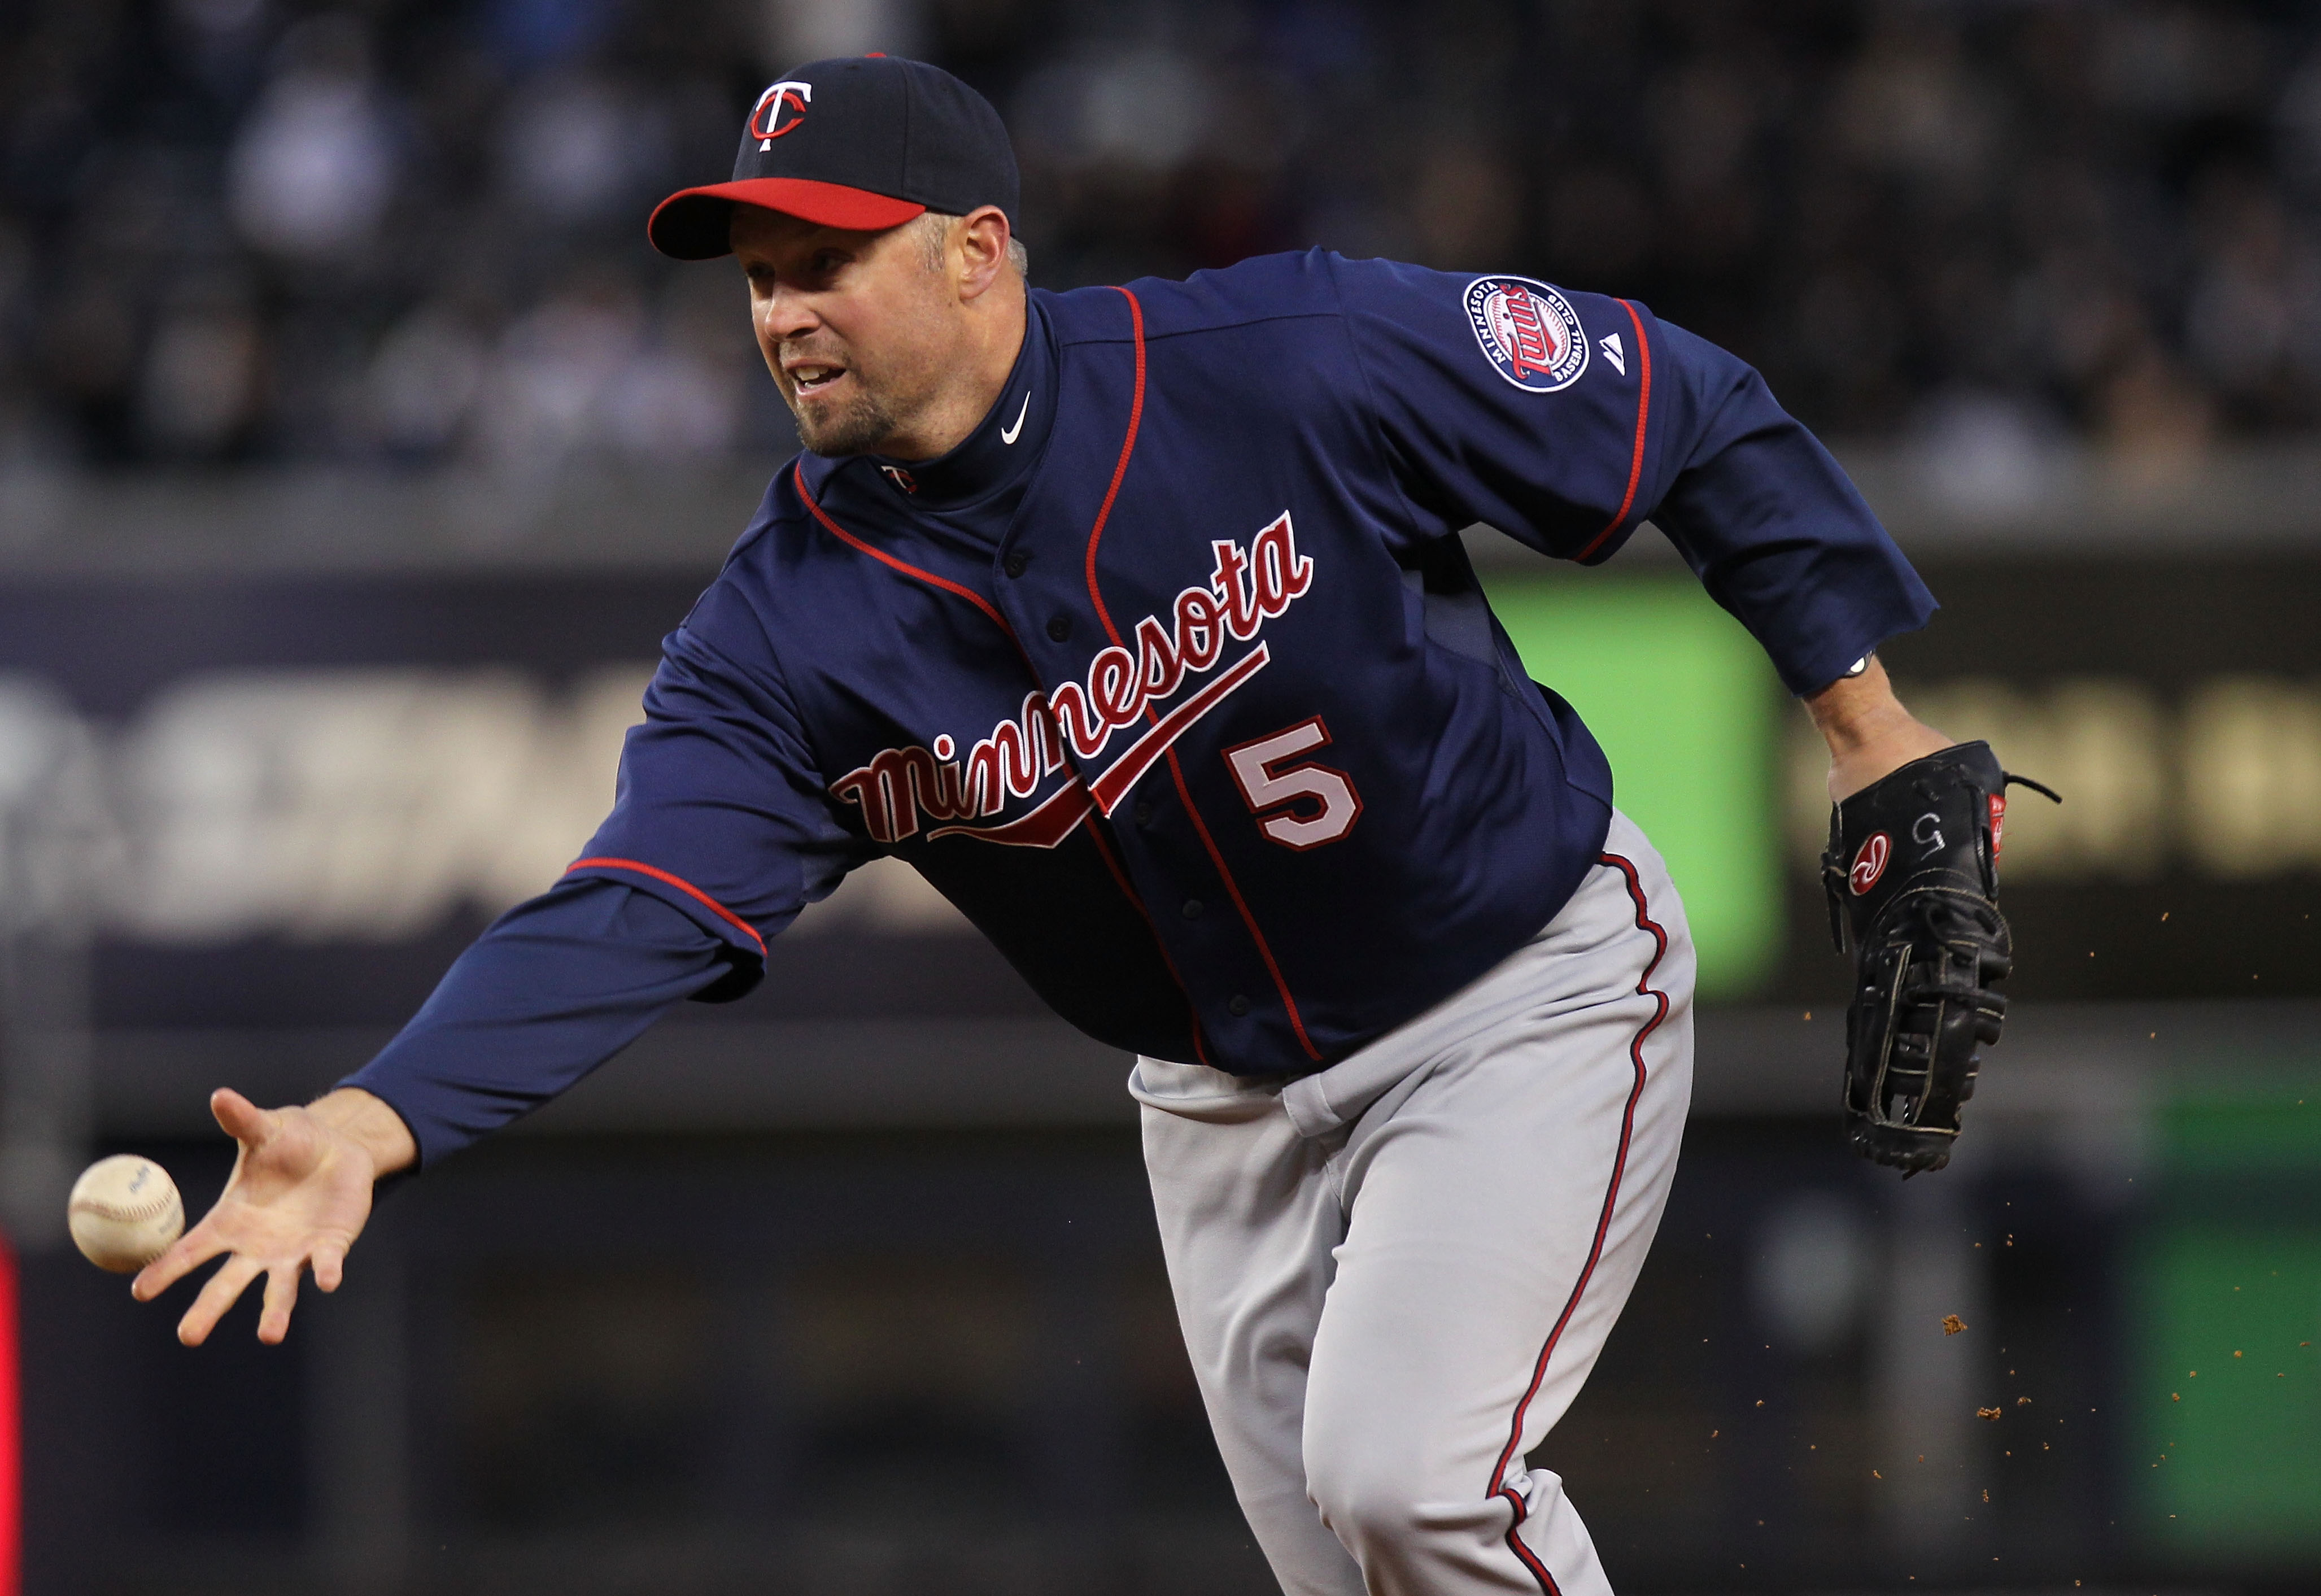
{"x": 785, "y": 314}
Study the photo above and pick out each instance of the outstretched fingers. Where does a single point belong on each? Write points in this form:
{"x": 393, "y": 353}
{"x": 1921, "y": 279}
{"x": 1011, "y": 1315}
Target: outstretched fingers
{"x": 281, "y": 1296}
{"x": 188, "y": 1253}
{"x": 241, "y": 1118}
{"x": 224, "y": 1288}
{"x": 330, "y": 1265}
{"x": 298, "y": 1194}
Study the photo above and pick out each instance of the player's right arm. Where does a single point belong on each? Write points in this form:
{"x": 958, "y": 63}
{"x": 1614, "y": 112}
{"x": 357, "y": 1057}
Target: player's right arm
{"x": 719, "y": 834}
{"x": 558, "y": 986}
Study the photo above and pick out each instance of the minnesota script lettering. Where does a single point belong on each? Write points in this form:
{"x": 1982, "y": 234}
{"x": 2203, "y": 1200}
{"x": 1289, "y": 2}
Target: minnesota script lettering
{"x": 1246, "y": 589}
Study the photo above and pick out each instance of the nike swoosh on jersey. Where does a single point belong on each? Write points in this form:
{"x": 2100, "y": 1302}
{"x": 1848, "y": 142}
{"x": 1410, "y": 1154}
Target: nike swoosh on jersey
{"x": 1008, "y": 434}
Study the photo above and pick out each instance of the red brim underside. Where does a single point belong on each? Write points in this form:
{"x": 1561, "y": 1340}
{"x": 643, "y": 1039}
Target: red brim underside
{"x": 691, "y": 223}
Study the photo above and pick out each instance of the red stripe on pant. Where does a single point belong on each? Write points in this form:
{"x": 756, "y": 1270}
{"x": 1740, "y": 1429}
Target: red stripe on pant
{"x": 1499, "y": 1487}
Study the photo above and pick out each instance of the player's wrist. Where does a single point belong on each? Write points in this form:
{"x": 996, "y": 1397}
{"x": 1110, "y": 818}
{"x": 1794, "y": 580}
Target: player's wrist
{"x": 1868, "y": 731}
{"x": 1857, "y": 709}
{"x": 1875, "y": 758}
{"x": 370, "y": 1125}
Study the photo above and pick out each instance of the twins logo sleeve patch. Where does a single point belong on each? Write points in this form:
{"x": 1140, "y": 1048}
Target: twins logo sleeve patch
{"x": 1528, "y": 332}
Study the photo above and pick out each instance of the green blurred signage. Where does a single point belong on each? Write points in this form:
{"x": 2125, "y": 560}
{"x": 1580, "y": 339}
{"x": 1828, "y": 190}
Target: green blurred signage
{"x": 1689, "y": 709}
{"x": 2227, "y": 1372}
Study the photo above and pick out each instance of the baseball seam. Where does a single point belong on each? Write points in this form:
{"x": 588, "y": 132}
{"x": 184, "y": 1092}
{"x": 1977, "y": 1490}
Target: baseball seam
{"x": 152, "y": 1208}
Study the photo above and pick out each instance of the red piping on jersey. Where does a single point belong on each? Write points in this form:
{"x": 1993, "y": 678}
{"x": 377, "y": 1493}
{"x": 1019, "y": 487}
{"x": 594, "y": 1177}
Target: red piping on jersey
{"x": 798, "y": 474}
{"x": 1119, "y": 877}
{"x": 1499, "y": 1487}
{"x": 1120, "y": 468}
{"x": 682, "y": 884}
{"x": 1643, "y": 409}
{"x": 1176, "y": 770}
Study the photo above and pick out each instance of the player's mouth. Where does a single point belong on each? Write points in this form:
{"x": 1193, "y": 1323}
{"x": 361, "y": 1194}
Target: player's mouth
{"x": 808, "y": 378}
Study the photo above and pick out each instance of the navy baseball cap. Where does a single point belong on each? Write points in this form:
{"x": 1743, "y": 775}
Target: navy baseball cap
{"x": 860, "y": 141}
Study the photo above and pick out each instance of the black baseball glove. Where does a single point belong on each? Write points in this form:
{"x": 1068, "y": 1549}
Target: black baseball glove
{"x": 1912, "y": 874}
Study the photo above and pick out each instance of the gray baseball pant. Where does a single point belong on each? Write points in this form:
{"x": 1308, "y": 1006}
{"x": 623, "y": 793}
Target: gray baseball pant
{"x": 1395, "y": 1274}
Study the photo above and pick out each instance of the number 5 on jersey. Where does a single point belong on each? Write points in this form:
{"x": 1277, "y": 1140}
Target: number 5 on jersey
{"x": 1313, "y": 803}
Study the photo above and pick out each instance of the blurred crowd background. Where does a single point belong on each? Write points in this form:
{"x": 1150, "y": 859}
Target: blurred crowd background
{"x": 410, "y": 230}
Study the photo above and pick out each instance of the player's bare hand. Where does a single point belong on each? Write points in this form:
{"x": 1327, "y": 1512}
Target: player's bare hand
{"x": 299, "y": 1195}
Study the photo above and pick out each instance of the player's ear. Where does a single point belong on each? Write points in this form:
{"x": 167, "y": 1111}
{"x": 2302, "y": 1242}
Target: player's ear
{"x": 981, "y": 237}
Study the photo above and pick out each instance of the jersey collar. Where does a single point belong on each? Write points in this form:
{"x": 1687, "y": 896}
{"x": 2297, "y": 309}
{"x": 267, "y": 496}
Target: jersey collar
{"x": 1001, "y": 451}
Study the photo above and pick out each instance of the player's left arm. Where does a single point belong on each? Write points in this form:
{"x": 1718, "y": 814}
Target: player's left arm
{"x": 1632, "y": 420}
{"x": 1606, "y": 417}
{"x": 1783, "y": 539}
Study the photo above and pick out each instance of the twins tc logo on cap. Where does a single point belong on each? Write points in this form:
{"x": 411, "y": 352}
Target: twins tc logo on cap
{"x": 778, "y": 111}
{"x": 1528, "y": 330}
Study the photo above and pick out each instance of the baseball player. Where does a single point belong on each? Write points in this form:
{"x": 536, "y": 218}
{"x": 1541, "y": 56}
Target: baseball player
{"x": 1137, "y": 619}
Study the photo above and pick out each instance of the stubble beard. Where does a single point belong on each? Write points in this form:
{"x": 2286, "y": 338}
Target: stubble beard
{"x": 857, "y": 427}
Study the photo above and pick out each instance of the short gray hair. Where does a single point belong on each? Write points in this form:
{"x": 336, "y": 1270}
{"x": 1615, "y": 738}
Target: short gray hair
{"x": 932, "y": 225}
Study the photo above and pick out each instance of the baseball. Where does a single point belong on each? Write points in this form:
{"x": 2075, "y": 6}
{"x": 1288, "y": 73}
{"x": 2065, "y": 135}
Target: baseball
{"x": 124, "y": 1210}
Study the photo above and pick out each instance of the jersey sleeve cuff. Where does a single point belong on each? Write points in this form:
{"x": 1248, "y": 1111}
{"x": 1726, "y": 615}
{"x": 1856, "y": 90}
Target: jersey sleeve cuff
{"x": 1810, "y": 670}
{"x": 431, "y": 1142}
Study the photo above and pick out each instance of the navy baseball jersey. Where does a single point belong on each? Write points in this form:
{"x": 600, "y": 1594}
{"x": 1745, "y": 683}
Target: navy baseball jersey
{"x": 1174, "y": 677}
